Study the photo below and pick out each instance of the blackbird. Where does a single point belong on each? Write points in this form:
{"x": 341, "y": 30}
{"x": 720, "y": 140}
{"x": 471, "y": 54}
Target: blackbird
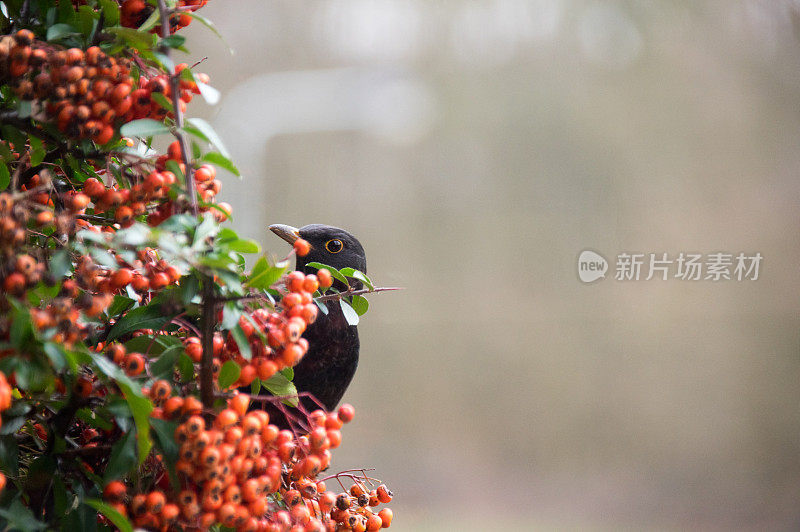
{"x": 330, "y": 363}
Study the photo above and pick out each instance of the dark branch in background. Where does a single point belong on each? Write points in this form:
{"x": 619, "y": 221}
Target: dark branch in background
{"x": 174, "y": 79}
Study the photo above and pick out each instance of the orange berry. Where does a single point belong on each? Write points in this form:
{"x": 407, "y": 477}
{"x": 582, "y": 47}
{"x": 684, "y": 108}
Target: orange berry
{"x": 134, "y": 364}
{"x": 114, "y": 491}
{"x": 301, "y": 247}
{"x": 239, "y": 403}
{"x": 121, "y": 278}
{"x": 346, "y": 413}
{"x": 325, "y": 278}
{"x": 226, "y": 418}
{"x": 386, "y": 517}
{"x": 155, "y": 502}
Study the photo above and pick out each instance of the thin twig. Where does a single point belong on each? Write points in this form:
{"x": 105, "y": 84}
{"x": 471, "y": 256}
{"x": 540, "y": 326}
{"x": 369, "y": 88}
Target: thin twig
{"x": 351, "y": 292}
{"x": 175, "y": 83}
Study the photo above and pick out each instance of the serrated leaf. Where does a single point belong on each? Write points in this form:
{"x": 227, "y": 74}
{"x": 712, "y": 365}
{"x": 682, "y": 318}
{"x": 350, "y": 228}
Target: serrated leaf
{"x": 147, "y": 317}
{"x": 221, "y": 161}
{"x": 349, "y": 313}
{"x": 228, "y": 374}
{"x": 144, "y": 127}
{"x": 119, "y": 520}
{"x": 206, "y": 129}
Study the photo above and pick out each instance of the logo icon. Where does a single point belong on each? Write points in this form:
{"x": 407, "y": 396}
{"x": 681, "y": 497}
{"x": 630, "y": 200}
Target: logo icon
{"x": 591, "y": 266}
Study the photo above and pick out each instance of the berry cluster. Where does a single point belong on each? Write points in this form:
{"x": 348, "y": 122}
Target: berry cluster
{"x": 87, "y": 94}
{"x": 243, "y": 472}
{"x": 5, "y": 403}
{"x": 133, "y": 13}
{"x": 282, "y": 330}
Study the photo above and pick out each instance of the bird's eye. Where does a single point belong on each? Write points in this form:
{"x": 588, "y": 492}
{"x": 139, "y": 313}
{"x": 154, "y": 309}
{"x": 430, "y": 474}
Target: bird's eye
{"x": 334, "y": 246}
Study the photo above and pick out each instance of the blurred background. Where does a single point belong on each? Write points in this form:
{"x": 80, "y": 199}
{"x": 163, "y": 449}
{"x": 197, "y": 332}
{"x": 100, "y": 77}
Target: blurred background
{"x": 476, "y": 147}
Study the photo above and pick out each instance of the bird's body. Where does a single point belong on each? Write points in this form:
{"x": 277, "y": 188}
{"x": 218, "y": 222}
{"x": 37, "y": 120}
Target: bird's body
{"x": 328, "y": 367}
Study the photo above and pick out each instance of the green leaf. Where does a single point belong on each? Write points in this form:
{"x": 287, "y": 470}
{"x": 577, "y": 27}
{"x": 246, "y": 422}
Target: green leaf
{"x": 336, "y": 273}
{"x": 228, "y": 374}
{"x": 152, "y": 344}
{"x": 56, "y": 355}
{"x": 123, "y": 458}
{"x": 221, "y": 161}
{"x": 208, "y": 227}
{"x": 20, "y": 518}
{"x": 161, "y": 100}
{"x": 5, "y": 177}
{"x": 59, "y": 31}
{"x": 9, "y": 455}
{"x": 206, "y": 129}
{"x": 139, "y": 405}
{"x": 263, "y": 275}
{"x": 151, "y": 21}
{"x": 12, "y": 425}
{"x": 119, "y": 305}
{"x": 110, "y": 12}
{"x": 147, "y": 317}
{"x": 355, "y": 274}
{"x": 164, "y": 431}
{"x": 60, "y": 263}
{"x": 141, "y": 40}
{"x": 21, "y": 327}
{"x": 241, "y": 341}
{"x": 360, "y": 305}
{"x": 144, "y": 127}
{"x": 349, "y": 313}
{"x": 164, "y": 366}
{"x": 119, "y": 520}
{"x": 37, "y": 150}
{"x": 279, "y": 385}
{"x": 243, "y": 246}
{"x": 185, "y": 367}
{"x": 174, "y": 41}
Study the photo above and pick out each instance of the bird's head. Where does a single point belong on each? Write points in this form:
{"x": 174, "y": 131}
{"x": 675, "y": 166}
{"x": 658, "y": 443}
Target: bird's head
{"x": 329, "y": 245}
